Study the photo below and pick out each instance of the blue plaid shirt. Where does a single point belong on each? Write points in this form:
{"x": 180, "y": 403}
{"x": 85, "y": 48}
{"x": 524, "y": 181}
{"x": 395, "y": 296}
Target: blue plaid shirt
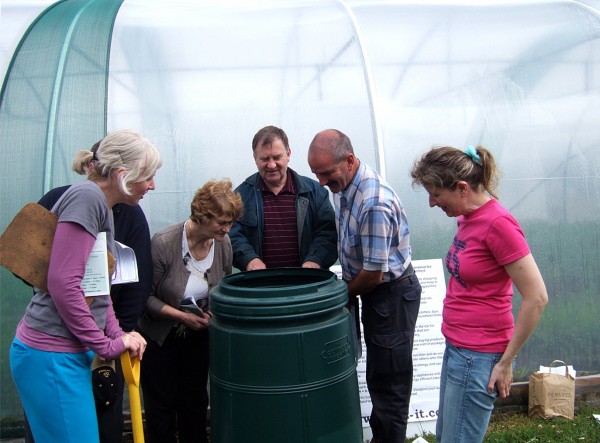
{"x": 372, "y": 227}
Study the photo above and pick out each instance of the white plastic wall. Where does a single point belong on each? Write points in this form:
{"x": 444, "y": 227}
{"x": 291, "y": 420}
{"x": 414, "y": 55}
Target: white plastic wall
{"x": 522, "y": 78}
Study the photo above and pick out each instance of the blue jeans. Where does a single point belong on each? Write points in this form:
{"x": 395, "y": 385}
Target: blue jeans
{"x": 465, "y": 404}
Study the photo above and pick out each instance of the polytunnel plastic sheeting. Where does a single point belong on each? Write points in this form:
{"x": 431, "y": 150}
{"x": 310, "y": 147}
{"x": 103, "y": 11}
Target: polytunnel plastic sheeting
{"x": 52, "y": 103}
{"x": 202, "y": 78}
{"x": 53, "y": 99}
{"x": 199, "y": 78}
{"x": 521, "y": 79}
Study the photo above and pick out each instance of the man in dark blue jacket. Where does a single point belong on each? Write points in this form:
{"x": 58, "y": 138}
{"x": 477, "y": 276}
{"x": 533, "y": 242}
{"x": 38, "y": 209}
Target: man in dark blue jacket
{"x": 288, "y": 220}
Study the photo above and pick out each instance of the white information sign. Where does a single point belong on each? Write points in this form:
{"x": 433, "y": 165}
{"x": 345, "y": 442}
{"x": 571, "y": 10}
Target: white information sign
{"x": 429, "y": 342}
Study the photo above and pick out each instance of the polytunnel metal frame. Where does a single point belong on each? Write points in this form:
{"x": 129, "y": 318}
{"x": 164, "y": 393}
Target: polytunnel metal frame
{"x": 370, "y": 84}
{"x": 54, "y": 138}
{"x": 58, "y": 86}
{"x": 61, "y": 72}
{"x": 371, "y": 91}
{"x": 74, "y": 39}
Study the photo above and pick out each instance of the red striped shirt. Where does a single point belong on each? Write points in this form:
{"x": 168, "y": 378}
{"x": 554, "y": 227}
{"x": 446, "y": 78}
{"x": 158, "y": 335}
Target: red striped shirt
{"x": 280, "y": 233}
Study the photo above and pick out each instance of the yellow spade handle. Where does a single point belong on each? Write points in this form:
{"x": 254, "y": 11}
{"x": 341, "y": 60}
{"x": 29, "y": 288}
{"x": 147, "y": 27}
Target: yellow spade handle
{"x": 131, "y": 373}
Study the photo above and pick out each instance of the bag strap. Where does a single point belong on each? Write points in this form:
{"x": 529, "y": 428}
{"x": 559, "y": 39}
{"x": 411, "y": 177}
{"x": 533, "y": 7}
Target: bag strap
{"x": 559, "y": 361}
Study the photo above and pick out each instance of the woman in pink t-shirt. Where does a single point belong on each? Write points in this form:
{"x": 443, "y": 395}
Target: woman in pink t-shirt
{"x": 489, "y": 253}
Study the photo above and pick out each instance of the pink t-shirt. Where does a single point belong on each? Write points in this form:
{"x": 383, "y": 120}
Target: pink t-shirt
{"x": 478, "y": 305}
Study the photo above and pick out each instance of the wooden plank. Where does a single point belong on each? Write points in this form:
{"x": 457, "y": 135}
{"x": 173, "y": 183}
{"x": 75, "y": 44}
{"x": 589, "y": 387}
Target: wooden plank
{"x": 26, "y": 244}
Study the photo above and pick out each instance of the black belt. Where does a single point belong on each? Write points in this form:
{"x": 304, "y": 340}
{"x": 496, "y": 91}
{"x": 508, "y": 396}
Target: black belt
{"x": 408, "y": 272}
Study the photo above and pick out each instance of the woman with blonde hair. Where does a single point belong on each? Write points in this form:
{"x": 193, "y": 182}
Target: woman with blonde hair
{"x": 55, "y": 342}
{"x": 189, "y": 258}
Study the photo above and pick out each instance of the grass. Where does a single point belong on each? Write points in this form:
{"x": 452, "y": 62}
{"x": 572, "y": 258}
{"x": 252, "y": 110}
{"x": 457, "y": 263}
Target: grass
{"x": 515, "y": 427}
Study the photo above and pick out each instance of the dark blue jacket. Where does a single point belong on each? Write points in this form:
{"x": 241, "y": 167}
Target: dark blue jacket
{"x": 317, "y": 236}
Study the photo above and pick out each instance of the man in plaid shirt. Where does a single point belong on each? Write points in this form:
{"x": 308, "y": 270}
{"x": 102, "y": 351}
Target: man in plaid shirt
{"x": 375, "y": 256}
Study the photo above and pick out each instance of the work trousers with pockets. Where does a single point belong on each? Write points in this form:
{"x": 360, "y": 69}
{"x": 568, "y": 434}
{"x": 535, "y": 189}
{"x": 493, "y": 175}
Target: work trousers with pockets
{"x": 389, "y": 314}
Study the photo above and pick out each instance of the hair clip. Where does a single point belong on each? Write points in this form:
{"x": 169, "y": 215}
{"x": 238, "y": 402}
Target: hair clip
{"x": 472, "y": 152}
{"x": 94, "y": 150}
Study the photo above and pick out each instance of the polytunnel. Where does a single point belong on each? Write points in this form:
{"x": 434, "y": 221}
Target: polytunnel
{"x": 200, "y": 77}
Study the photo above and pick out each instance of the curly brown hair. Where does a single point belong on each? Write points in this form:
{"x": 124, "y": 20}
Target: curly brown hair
{"x": 216, "y": 199}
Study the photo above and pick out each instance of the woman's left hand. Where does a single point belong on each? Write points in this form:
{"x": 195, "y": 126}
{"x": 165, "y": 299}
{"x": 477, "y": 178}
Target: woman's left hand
{"x": 527, "y": 278}
{"x": 135, "y": 344}
{"x": 196, "y": 322}
{"x": 501, "y": 379}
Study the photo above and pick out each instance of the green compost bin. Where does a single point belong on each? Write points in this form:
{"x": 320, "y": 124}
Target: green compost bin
{"x": 282, "y": 361}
